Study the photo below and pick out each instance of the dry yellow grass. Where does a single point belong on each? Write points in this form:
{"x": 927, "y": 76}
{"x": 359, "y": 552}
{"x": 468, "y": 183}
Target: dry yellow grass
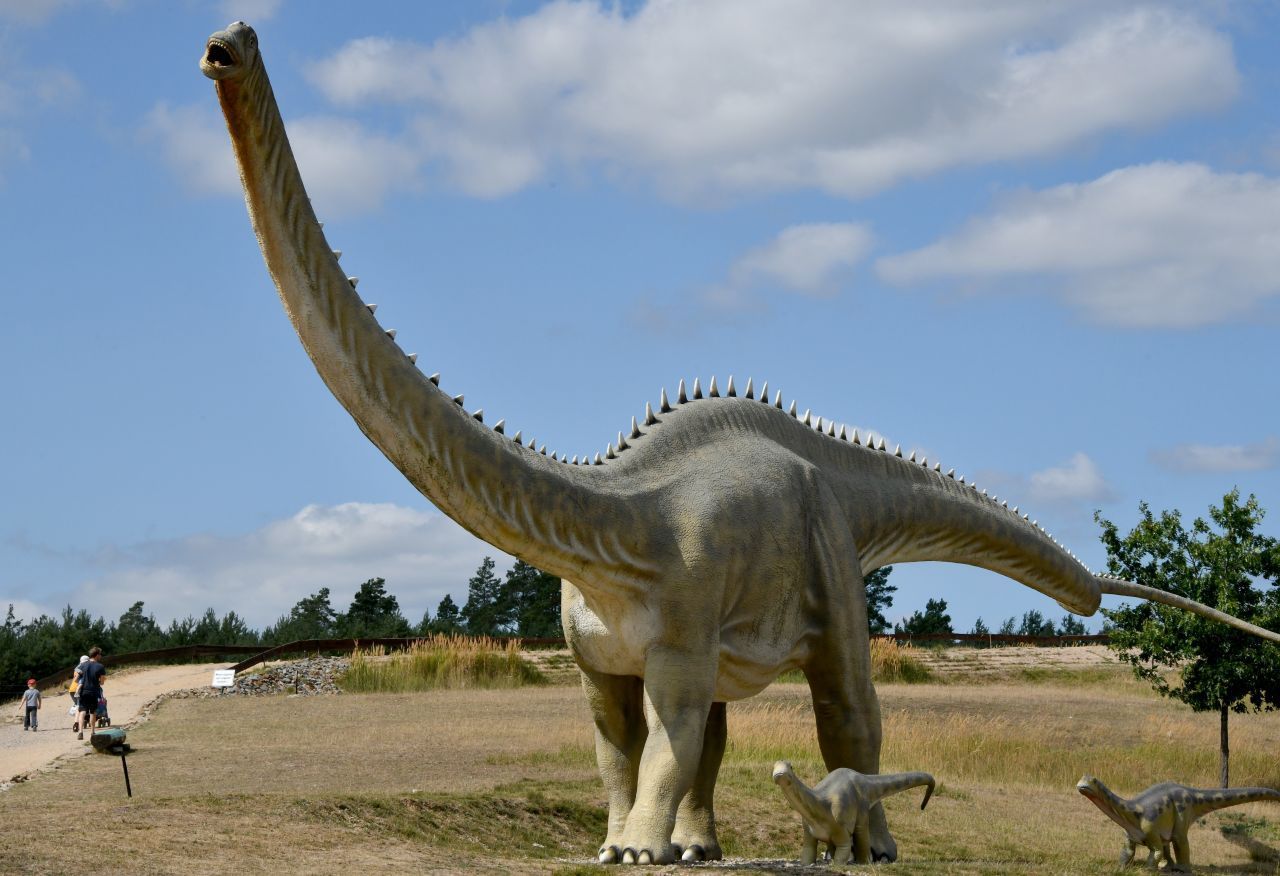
{"x": 504, "y": 781}
{"x": 448, "y": 662}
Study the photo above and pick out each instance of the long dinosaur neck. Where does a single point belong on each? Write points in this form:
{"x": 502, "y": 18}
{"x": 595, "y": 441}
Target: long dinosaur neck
{"x": 802, "y": 798}
{"x": 1123, "y": 812}
{"x": 919, "y": 514}
{"x": 499, "y": 490}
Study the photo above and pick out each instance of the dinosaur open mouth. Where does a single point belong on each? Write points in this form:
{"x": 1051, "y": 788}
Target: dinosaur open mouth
{"x": 218, "y": 54}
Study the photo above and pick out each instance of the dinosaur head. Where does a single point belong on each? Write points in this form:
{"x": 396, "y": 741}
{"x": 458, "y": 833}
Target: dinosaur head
{"x": 1090, "y": 787}
{"x": 230, "y": 53}
{"x": 783, "y": 774}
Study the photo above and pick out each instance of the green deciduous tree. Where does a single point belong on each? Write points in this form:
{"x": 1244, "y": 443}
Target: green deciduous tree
{"x": 934, "y": 619}
{"x": 879, "y": 598}
{"x": 1221, "y": 563}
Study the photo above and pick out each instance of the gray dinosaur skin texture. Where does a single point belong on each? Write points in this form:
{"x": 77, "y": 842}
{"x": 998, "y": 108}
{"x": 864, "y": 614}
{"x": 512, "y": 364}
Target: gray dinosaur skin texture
{"x": 718, "y": 543}
{"x": 1160, "y": 816}
{"x": 837, "y": 810}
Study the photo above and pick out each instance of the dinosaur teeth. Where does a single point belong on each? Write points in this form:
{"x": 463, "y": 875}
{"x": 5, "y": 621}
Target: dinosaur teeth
{"x": 831, "y": 429}
{"x": 913, "y": 456}
{"x": 622, "y": 442}
{"x": 857, "y": 439}
{"x": 354, "y": 281}
{"x": 729, "y": 391}
{"x": 479, "y": 414}
{"x": 391, "y": 333}
{"x": 844, "y": 436}
{"x": 635, "y": 428}
{"x": 937, "y": 466}
{"x": 681, "y": 398}
{"x": 458, "y": 399}
{"x": 960, "y": 479}
{"x": 897, "y": 451}
{"x": 575, "y": 459}
{"x": 951, "y": 473}
{"x": 664, "y": 405}
{"x": 792, "y": 410}
{"x": 749, "y": 393}
{"x": 819, "y": 424}
{"x": 609, "y": 454}
{"x": 543, "y": 450}
{"x": 649, "y": 418}
{"x": 337, "y": 255}
{"x": 697, "y": 389}
{"x": 712, "y": 392}
{"x": 924, "y": 462}
{"x": 413, "y": 357}
{"x": 598, "y": 460}
{"x": 881, "y": 447}
{"x": 777, "y": 400}
{"x": 764, "y": 392}
{"x": 435, "y": 378}
{"x": 518, "y": 436}
{"x": 373, "y": 308}
{"x": 805, "y": 418}
{"x": 500, "y": 427}
{"x": 554, "y": 458}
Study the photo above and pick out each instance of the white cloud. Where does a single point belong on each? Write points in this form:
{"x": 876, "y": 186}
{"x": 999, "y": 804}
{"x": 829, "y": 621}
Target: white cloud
{"x": 1157, "y": 245}
{"x": 261, "y": 574}
{"x": 1220, "y": 458}
{"x": 1078, "y": 480}
{"x": 805, "y": 258}
{"x": 251, "y": 11}
{"x": 732, "y": 96}
{"x": 347, "y": 169}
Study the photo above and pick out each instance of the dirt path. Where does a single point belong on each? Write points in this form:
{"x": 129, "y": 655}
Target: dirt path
{"x": 22, "y": 752}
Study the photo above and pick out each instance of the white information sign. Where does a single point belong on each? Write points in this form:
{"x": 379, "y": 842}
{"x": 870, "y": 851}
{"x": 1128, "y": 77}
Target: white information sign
{"x": 224, "y": 678}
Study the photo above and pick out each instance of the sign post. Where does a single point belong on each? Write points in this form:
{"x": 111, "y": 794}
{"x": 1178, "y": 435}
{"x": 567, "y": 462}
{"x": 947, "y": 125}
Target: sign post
{"x": 224, "y": 678}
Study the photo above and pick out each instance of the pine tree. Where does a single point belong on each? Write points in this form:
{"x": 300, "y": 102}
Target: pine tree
{"x": 485, "y": 613}
{"x": 533, "y": 600}
{"x": 879, "y": 598}
{"x": 448, "y": 619}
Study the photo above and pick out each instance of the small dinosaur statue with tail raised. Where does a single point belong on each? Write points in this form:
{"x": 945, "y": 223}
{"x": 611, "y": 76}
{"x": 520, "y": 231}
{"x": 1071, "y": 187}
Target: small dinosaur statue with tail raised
{"x": 1160, "y": 816}
{"x": 720, "y": 541}
{"x": 837, "y": 810}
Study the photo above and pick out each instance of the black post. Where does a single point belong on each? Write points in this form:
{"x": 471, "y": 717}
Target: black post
{"x": 125, "y": 763}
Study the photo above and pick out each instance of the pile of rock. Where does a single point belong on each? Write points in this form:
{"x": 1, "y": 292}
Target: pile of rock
{"x": 310, "y": 676}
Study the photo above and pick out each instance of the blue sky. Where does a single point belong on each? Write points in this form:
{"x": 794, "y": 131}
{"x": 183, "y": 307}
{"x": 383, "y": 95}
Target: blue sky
{"x": 1036, "y": 241}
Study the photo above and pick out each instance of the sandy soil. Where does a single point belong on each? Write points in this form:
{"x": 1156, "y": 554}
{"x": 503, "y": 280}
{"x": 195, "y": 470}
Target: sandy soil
{"x": 23, "y": 752}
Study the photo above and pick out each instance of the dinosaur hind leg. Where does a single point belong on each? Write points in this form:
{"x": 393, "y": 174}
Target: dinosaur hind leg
{"x": 839, "y": 674}
{"x": 616, "y": 704}
{"x": 695, "y": 833}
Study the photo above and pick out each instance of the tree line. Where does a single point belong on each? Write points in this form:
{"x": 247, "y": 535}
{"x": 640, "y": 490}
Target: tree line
{"x": 526, "y": 603}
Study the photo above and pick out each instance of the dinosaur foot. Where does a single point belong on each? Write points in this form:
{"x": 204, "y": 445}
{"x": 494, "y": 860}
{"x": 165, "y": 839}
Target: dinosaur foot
{"x": 698, "y": 852}
{"x": 609, "y": 854}
{"x": 645, "y": 855}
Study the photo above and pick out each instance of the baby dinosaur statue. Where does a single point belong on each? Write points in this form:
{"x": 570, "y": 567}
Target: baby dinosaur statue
{"x": 836, "y": 811}
{"x": 720, "y": 541}
{"x": 1160, "y": 816}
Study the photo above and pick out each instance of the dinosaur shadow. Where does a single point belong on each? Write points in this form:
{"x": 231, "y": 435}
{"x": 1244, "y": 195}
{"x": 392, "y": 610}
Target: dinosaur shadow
{"x": 1258, "y": 852}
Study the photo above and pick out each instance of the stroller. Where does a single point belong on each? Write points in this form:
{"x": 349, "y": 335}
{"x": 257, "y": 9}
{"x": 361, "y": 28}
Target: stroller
{"x": 104, "y": 720}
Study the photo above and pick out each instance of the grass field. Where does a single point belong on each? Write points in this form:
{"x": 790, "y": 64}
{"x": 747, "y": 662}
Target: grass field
{"x": 504, "y": 781}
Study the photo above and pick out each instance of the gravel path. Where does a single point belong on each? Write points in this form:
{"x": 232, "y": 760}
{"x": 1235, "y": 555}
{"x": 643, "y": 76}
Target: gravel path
{"x": 23, "y": 752}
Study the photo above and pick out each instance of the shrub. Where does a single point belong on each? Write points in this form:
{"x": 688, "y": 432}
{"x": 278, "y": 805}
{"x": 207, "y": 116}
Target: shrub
{"x": 440, "y": 662}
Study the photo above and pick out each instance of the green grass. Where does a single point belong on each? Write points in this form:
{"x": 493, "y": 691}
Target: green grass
{"x": 442, "y": 662}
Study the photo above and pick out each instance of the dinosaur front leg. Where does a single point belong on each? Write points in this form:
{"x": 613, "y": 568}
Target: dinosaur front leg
{"x": 616, "y": 704}
{"x": 809, "y": 849}
{"x": 677, "y": 696}
{"x": 695, "y": 831}
{"x": 1126, "y": 857}
{"x": 1181, "y": 859}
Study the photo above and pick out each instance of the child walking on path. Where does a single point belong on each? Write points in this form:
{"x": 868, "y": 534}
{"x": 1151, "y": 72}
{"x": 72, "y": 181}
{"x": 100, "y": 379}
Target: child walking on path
{"x": 31, "y": 706}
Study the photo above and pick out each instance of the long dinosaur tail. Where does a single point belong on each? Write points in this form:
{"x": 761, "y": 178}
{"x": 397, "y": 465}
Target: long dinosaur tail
{"x": 1120, "y": 587}
{"x": 891, "y": 783}
{"x": 1224, "y": 797}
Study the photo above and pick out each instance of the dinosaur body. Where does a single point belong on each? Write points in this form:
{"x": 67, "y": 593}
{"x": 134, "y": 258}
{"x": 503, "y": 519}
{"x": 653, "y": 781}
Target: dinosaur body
{"x": 720, "y": 541}
{"x": 1160, "y": 816}
{"x": 837, "y": 810}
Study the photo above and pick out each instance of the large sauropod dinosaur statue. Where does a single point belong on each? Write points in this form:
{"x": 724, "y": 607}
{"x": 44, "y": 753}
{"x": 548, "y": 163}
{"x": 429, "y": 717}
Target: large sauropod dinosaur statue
{"x": 1160, "y": 816}
{"x": 720, "y": 541}
{"x": 837, "y": 810}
